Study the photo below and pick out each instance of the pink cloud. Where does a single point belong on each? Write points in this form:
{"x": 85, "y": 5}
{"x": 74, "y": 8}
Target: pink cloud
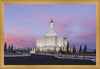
{"x": 11, "y": 39}
{"x": 68, "y": 18}
{"x": 19, "y": 32}
{"x": 89, "y": 36}
{"x": 61, "y": 18}
{"x": 61, "y": 31}
{"x": 25, "y": 19}
{"x": 16, "y": 31}
{"x": 20, "y": 41}
{"x": 46, "y": 21}
{"x": 60, "y": 25}
{"x": 86, "y": 22}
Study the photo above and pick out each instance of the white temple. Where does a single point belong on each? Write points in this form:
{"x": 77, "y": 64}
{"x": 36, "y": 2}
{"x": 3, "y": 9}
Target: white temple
{"x": 51, "y": 42}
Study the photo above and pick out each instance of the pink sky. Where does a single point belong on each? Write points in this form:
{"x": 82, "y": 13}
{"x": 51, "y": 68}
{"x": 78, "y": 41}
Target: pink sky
{"x": 23, "y": 24}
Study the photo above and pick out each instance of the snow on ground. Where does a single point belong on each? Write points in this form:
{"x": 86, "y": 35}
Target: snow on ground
{"x": 17, "y": 55}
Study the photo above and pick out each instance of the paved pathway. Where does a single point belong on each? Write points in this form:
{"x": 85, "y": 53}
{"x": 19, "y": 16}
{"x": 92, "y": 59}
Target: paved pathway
{"x": 92, "y": 58}
{"x": 44, "y": 60}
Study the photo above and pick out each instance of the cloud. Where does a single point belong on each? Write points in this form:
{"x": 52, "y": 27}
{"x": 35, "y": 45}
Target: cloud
{"x": 90, "y": 36}
{"x": 20, "y": 41}
{"x": 61, "y": 18}
{"x": 88, "y": 22}
{"x": 60, "y": 25}
{"x": 46, "y": 20}
{"x": 61, "y": 31}
{"x": 18, "y": 32}
{"x": 45, "y": 23}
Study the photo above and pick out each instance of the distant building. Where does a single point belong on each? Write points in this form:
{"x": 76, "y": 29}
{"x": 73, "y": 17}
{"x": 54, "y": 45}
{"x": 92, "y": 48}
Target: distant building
{"x": 51, "y": 42}
{"x": 32, "y": 50}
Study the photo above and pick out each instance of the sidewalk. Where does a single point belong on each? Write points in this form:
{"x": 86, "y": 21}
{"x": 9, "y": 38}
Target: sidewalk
{"x": 93, "y": 58}
{"x": 17, "y": 55}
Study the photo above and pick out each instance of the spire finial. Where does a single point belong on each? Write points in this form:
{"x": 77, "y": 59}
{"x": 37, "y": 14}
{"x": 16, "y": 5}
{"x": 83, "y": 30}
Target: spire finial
{"x": 51, "y": 21}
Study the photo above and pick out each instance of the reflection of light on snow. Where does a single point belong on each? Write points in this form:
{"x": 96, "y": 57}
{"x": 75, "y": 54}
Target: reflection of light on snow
{"x": 94, "y": 60}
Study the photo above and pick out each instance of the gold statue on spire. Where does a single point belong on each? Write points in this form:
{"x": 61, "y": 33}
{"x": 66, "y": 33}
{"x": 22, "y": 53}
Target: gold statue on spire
{"x": 51, "y": 21}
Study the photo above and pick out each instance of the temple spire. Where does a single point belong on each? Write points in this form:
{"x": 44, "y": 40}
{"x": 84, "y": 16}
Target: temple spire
{"x": 52, "y": 30}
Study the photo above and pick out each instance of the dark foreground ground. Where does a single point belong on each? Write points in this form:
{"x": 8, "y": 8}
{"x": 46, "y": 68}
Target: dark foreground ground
{"x": 44, "y": 60}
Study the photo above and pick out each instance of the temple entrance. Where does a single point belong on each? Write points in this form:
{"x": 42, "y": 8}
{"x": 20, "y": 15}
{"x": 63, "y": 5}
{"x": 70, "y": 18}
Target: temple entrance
{"x": 48, "y": 50}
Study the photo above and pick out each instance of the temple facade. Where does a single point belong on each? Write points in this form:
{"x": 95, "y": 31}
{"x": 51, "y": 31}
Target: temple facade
{"x": 51, "y": 42}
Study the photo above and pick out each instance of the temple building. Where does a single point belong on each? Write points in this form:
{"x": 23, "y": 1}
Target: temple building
{"x": 51, "y": 42}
